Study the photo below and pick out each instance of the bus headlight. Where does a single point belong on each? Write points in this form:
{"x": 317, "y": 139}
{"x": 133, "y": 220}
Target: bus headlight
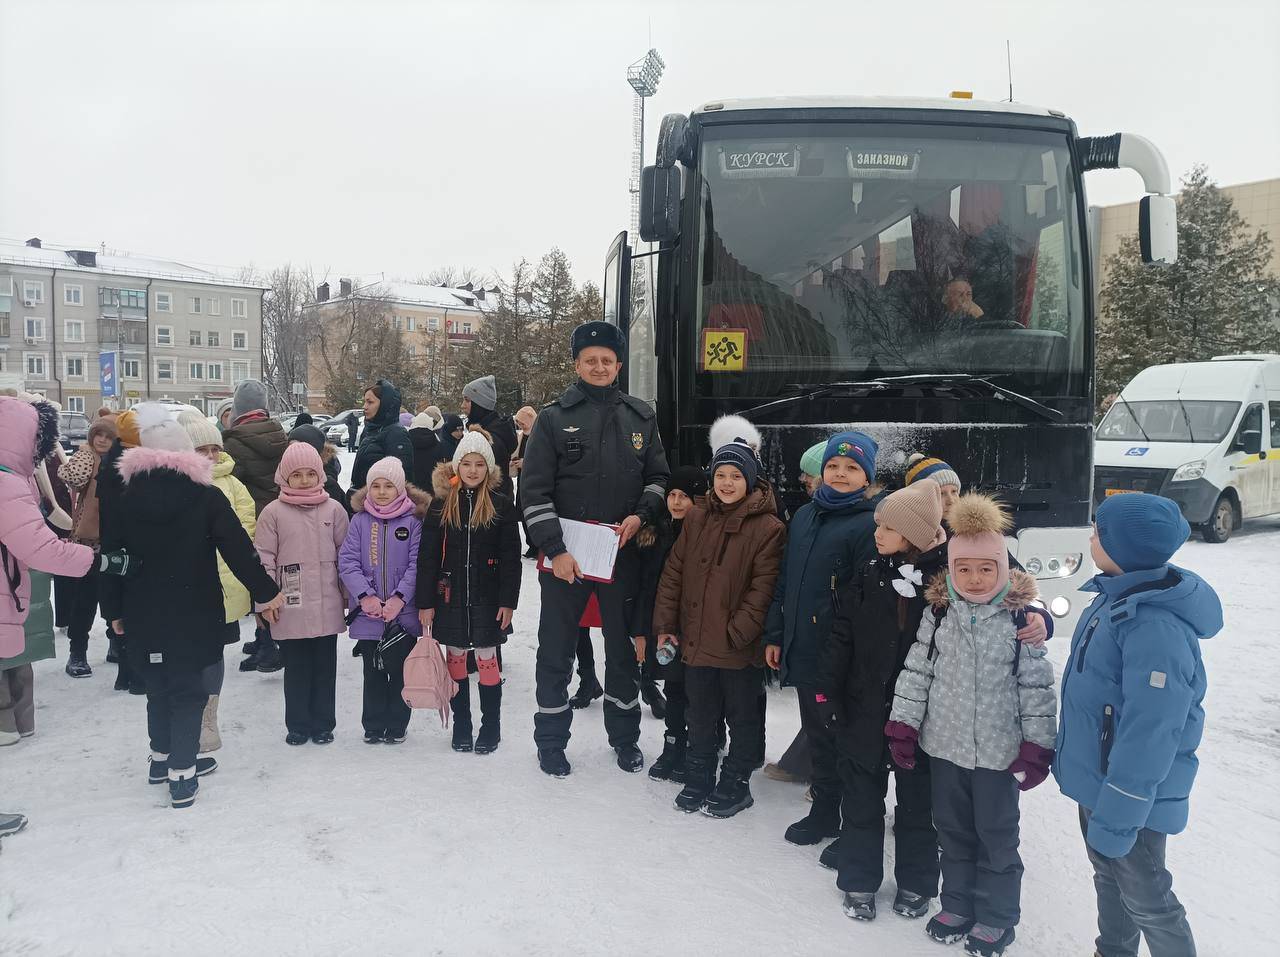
{"x": 1191, "y": 471}
{"x": 1060, "y": 607}
{"x": 1054, "y": 566}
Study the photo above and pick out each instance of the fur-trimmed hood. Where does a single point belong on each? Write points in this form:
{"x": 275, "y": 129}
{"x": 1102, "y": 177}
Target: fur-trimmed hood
{"x": 328, "y": 453}
{"x": 421, "y": 500}
{"x": 442, "y": 477}
{"x": 1022, "y": 591}
{"x": 141, "y": 460}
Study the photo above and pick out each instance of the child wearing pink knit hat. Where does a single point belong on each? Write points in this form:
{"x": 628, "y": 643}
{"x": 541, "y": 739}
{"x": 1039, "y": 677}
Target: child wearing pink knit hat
{"x": 378, "y": 564}
{"x": 298, "y": 537}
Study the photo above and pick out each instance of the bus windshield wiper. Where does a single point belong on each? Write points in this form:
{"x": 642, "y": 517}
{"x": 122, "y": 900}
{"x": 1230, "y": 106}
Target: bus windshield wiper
{"x": 1186, "y": 417}
{"x": 1133, "y": 415}
{"x": 925, "y": 381}
{"x": 962, "y": 379}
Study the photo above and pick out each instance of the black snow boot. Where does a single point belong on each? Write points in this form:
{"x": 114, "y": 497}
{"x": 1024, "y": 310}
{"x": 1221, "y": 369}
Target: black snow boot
{"x": 653, "y": 697}
{"x": 630, "y": 758}
{"x": 251, "y": 662}
{"x": 269, "y": 658}
{"x": 182, "y": 791}
{"x": 78, "y": 667}
{"x": 158, "y": 770}
{"x": 822, "y": 821}
{"x": 730, "y": 795}
{"x": 490, "y": 719}
{"x": 249, "y": 647}
{"x": 910, "y": 904}
{"x": 113, "y": 649}
{"x": 860, "y": 906}
{"x": 948, "y": 928}
{"x": 984, "y": 941}
{"x": 553, "y": 762}
{"x": 670, "y": 763}
{"x": 588, "y": 690}
{"x": 830, "y": 856}
{"x": 460, "y": 704}
{"x": 699, "y": 776}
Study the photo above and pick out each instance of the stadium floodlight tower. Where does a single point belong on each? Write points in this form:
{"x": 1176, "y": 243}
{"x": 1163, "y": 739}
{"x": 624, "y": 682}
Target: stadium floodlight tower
{"x": 643, "y": 75}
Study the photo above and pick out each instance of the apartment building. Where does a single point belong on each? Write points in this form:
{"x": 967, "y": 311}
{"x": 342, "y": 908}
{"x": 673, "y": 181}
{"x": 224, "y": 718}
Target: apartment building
{"x": 180, "y": 332}
{"x": 434, "y": 321}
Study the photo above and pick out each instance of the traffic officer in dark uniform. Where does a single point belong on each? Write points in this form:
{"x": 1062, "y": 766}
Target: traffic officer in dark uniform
{"x": 594, "y": 455}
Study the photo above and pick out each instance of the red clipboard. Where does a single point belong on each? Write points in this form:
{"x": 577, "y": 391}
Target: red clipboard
{"x": 545, "y": 566}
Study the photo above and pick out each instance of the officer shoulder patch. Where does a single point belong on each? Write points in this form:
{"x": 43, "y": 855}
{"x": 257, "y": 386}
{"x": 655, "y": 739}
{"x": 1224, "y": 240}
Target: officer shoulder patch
{"x": 637, "y": 441}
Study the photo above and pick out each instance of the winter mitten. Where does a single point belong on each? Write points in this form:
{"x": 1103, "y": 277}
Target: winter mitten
{"x": 392, "y": 607}
{"x": 902, "y": 743}
{"x": 1031, "y": 766}
{"x": 828, "y": 710}
{"x": 370, "y": 605}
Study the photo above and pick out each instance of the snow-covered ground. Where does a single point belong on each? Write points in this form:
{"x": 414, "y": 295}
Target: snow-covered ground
{"x": 358, "y": 849}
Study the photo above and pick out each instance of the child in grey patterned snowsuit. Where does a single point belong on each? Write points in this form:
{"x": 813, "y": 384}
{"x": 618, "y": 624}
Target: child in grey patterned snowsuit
{"x": 982, "y": 705}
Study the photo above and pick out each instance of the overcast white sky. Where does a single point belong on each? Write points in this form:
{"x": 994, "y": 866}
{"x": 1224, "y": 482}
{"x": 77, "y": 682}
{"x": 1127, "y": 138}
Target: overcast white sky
{"x": 364, "y": 137}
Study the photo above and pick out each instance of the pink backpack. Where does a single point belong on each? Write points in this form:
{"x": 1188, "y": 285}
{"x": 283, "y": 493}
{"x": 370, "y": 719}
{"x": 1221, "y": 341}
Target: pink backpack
{"x": 427, "y": 684}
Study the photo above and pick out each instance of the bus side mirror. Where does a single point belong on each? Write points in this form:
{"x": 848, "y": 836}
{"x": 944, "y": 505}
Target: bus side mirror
{"x": 617, "y": 283}
{"x": 660, "y": 189}
{"x": 1250, "y": 442}
{"x": 1158, "y": 230}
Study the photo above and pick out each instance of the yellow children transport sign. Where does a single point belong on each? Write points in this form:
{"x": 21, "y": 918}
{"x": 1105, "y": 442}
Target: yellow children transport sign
{"x": 724, "y": 350}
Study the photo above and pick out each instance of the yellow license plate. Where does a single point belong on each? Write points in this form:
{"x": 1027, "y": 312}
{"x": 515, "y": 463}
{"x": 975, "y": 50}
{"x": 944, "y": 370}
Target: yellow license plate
{"x": 1123, "y": 491}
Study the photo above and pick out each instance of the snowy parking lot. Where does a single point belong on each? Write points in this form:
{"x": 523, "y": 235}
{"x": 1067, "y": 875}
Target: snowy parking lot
{"x": 358, "y": 849}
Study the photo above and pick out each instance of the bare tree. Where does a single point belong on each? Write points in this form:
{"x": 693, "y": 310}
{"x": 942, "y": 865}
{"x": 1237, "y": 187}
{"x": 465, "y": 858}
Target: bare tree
{"x": 357, "y": 344}
{"x": 454, "y": 277}
{"x": 285, "y": 332}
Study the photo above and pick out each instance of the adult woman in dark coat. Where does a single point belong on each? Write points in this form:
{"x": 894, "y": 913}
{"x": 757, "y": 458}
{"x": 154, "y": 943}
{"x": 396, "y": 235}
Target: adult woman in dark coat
{"x": 171, "y": 522}
{"x": 383, "y": 433}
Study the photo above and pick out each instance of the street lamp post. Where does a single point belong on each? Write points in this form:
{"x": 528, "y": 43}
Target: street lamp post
{"x": 643, "y": 75}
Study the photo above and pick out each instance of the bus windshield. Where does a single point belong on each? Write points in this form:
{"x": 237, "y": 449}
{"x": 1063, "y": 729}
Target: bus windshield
{"x": 846, "y": 252}
{"x": 1168, "y": 420}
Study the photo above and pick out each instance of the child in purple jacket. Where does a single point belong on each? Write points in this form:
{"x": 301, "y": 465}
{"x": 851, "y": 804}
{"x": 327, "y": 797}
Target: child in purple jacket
{"x": 378, "y": 564}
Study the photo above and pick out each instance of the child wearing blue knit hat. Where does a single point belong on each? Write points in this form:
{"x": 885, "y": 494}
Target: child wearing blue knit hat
{"x": 1132, "y": 717}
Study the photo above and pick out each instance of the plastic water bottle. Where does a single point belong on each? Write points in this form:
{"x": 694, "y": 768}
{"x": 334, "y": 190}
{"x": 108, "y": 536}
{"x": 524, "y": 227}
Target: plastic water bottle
{"x": 665, "y": 654}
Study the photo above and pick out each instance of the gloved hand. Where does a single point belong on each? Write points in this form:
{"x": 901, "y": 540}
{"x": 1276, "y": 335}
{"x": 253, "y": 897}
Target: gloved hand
{"x": 392, "y": 608}
{"x": 370, "y": 605}
{"x": 1031, "y": 766}
{"x": 831, "y": 712}
{"x": 902, "y": 743}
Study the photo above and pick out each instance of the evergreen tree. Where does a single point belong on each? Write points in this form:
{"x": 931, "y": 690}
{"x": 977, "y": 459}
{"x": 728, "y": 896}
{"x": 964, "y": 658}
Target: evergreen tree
{"x": 1216, "y": 299}
{"x": 554, "y": 300}
{"x": 506, "y": 346}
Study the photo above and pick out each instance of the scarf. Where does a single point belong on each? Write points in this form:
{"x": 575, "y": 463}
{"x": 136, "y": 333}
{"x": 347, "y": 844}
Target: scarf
{"x": 829, "y": 500}
{"x": 257, "y": 415}
{"x": 303, "y": 497}
{"x": 398, "y": 507}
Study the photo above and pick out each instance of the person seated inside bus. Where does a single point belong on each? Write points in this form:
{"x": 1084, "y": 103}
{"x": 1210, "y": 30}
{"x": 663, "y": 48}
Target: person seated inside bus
{"x": 957, "y": 298}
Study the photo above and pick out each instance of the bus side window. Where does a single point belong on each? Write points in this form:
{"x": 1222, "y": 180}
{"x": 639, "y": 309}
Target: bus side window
{"x": 1274, "y": 409}
{"x": 1249, "y": 435}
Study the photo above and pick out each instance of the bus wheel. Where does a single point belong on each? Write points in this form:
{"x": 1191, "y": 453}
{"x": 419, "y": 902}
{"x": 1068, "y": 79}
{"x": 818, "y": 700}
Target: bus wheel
{"x": 1221, "y": 522}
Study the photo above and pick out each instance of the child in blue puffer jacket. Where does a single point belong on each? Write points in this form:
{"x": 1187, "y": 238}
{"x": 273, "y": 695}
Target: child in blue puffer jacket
{"x": 1132, "y": 718}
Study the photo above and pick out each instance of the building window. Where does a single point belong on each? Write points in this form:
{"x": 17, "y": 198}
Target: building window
{"x": 127, "y": 298}
{"x": 32, "y": 291}
{"x": 72, "y": 295}
{"x": 413, "y": 352}
{"x": 214, "y": 371}
{"x": 75, "y": 367}
{"x": 466, "y": 328}
{"x": 411, "y": 323}
{"x": 195, "y": 337}
{"x": 239, "y": 372}
{"x": 213, "y": 338}
{"x": 3, "y": 358}
{"x": 239, "y": 308}
{"x": 131, "y": 369}
{"x": 195, "y": 371}
{"x": 33, "y": 327}
{"x": 74, "y": 403}
{"x": 4, "y": 325}
{"x": 433, "y": 324}
{"x": 239, "y": 340}
{"x": 195, "y": 304}
{"x": 34, "y": 361}
{"x": 73, "y": 330}
{"x": 395, "y": 321}
{"x": 164, "y": 302}
{"x": 164, "y": 335}
{"x": 215, "y": 305}
{"x": 164, "y": 370}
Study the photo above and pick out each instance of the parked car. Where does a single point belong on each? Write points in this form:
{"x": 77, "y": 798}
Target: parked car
{"x": 335, "y": 427}
{"x": 73, "y": 430}
{"x": 290, "y": 419}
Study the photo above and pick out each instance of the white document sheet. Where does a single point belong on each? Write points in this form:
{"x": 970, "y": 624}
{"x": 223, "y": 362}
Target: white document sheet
{"x": 594, "y": 547}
